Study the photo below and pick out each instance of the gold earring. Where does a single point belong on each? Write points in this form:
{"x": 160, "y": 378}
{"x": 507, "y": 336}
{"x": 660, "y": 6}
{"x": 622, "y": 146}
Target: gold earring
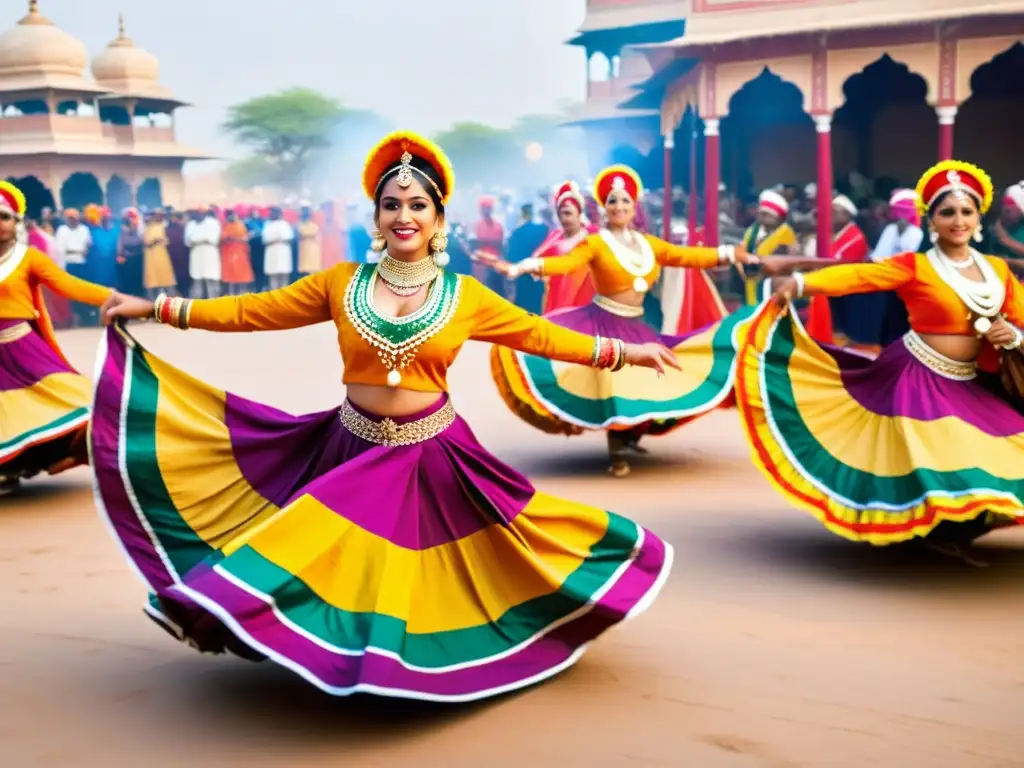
{"x": 439, "y": 242}
{"x": 377, "y": 243}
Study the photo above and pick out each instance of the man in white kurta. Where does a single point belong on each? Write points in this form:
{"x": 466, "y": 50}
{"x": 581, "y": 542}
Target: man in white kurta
{"x": 73, "y": 241}
{"x": 202, "y": 236}
{"x": 278, "y": 263}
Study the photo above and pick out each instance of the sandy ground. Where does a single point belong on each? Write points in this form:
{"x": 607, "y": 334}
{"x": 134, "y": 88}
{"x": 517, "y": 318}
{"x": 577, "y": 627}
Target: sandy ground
{"x": 774, "y": 643}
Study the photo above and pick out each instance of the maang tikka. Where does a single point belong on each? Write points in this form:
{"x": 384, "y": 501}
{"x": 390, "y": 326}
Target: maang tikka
{"x": 404, "y": 177}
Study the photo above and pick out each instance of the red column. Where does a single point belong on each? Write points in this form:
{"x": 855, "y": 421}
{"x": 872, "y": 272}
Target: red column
{"x": 712, "y": 178}
{"x": 823, "y": 125}
{"x": 692, "y": 225}
{"x": 666, "y": 224}
{"x": 947, "y": 119}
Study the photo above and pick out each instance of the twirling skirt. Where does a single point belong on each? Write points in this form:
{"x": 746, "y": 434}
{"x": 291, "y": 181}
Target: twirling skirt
{"x": 879, "y": 450}
{"x": 425, "y": 570}
{"x": 44, "y": 404}
{"x": 564, "y": 398}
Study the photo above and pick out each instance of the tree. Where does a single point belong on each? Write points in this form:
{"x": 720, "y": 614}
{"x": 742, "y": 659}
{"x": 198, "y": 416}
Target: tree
{"x": 479, "y": 153}
{"x": 286, "y": 131}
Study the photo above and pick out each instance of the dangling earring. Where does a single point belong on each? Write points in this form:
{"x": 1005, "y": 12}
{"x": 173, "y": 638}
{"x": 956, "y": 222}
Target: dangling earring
{"x": 439, "y": 248}
{"x": 377, "y": 243}
{"x": 933, "y": 236}
{"x": 978, "y": 236}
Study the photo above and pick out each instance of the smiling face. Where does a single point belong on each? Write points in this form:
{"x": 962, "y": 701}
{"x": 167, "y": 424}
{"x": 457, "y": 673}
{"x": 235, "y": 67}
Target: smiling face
{"x": 620, "y": 209}
{"x": 407, "y": 218}
{"x": 955, "y": 219}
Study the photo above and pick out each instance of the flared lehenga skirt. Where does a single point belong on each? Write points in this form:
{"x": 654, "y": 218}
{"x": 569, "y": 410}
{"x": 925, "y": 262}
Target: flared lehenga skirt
{"x": 44, "y": 404}
{"x": 879, "y": 450}
{"x": 427, "y": 570}
{"x": 569, "y": 399}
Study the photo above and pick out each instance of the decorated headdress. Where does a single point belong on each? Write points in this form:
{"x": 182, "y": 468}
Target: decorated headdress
{"x": 773, "y": 202}
{"x": 401, "y": 147}
{"x": 1015, "y": 196}
{"x": 571, "y": 192}
{"x": 957, "y": 177}
{"x": 617, "y": 177}
{"x": 12, "y": 199}
{"x": 842, "y": 201}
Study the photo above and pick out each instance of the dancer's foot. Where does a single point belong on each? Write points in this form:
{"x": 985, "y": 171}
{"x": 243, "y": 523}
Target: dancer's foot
{"x": 619, "y": 467}
{"x": 633, "y": 444}
{"x": 9, "y": 486}
{"x": 956, "y": 552}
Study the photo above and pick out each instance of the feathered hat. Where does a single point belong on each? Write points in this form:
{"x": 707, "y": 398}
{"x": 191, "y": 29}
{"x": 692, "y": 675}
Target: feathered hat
{"x": 400, "y": 147}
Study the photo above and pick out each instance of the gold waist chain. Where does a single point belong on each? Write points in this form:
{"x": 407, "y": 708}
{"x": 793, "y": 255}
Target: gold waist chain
{"x": 15, "y": 332}
{"x": 389, "y": 433}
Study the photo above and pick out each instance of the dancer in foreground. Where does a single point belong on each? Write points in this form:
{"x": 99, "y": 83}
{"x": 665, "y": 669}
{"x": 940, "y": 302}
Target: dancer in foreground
{"x": 44, "y": 402}
{"x": 376, "y": 547}
{"x": 565, "y": 398}
{"x": 923, "y": 441}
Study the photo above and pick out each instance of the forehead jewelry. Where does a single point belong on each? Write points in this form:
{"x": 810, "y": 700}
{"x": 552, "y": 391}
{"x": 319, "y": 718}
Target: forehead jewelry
{"x": 958, "y": 188}
{"x": 404, "y": 177}
{"x": 618, "y": 183}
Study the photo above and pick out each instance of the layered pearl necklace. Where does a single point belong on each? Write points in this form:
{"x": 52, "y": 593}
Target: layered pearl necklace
{"x": 405, "y": 278}
{"x": 638, "y": 263}
{"x": 984, "y": 298}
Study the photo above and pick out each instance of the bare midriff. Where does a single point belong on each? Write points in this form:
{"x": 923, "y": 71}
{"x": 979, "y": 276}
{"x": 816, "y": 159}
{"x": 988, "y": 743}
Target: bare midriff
{"x": 629, "y": 297}
{"x": 962, "y": 348}
{"x": 390, "y": 401}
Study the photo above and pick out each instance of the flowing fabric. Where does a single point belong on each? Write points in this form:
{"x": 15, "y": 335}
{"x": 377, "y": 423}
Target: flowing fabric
{"x": 563, "y": 398}
{"x": 43, "y": 403}
{"x": 58, "y": 308}
{"x": 879, "y": 450}
{"x": 430, "y": 571}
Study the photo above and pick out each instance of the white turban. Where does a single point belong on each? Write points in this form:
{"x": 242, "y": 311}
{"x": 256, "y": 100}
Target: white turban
{"x": 842, "y": 201}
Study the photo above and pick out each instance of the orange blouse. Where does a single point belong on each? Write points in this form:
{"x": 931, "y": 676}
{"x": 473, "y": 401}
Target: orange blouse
{"x": 25, "y": 269}
{"x": 610, "y": 277}
{"x": 933, "y": 306}
{"x": 481, "y": 315}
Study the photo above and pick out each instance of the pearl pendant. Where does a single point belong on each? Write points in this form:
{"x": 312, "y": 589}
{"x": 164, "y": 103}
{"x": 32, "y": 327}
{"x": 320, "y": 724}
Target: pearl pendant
{"x": 640, "y": 285}
{"x": 394, "y": 378}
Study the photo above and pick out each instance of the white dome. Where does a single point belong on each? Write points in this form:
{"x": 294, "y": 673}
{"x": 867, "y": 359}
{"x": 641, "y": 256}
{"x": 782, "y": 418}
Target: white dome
{"x": 35, "y": 45}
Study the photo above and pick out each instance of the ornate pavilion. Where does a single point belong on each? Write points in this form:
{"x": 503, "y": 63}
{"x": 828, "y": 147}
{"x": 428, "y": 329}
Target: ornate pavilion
{"x": 761, "y": 92}
{"x": 68, "y": 138}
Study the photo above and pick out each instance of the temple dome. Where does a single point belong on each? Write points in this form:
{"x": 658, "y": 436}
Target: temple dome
{"x": 36, "y": 46}
{"x": 124, "y": 67}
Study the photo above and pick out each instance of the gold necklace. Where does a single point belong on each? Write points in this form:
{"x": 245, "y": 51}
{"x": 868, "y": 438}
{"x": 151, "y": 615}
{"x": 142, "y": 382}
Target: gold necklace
{"x": 405, "y": 278}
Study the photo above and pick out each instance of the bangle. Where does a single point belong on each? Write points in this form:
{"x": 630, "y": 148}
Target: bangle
{"x": 596, "y": 358}
{"x": 157, "y": 305}
{"x": 727, "y": 254}
{"x": 620, "y": 355}
{"x": 798, "y": 278}
{"x": 607, "y": 356}
{"x": 1018, "y": 339}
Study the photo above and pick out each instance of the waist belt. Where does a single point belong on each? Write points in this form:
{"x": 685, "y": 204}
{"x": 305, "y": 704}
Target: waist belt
{"x": 958, "y": 370}
{"x": 389, "y": 433}
{"x": 14, "y": 332}
{"x": 622, "y": 310}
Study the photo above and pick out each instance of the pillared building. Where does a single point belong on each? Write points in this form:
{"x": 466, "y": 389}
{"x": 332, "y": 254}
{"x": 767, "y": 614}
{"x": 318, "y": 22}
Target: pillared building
{"x": 756, "y": 92}
{"x": 69, "y": 138}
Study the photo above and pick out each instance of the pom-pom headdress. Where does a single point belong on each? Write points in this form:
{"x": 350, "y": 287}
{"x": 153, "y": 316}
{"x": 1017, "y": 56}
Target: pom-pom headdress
{"x": 12, "y": 199}
{"x": 571, "y": 192}
{"x": 400, "y": 147}
{"x": 957, "y": 177}
{"x": 617, "y": 177}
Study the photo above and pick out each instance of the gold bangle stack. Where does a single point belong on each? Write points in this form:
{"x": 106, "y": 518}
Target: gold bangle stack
{"x": 620, "y": 355}
{"x": 172, "y": 310}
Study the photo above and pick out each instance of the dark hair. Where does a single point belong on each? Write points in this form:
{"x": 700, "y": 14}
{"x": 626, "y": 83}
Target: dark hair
{"x": 424, "y": 168}
{"x": 938, "y": 201}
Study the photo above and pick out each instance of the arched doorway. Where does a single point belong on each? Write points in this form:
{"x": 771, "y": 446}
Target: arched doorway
{"x": 885, "y": 131}
{"x": 990, "y": 123}
{"x": 79, "y": 190}
{"x": 37, "y": 195}
{"x": 119, "y": 195}
{"x": 150, "y": 195}
{"x": 767, "y": 138}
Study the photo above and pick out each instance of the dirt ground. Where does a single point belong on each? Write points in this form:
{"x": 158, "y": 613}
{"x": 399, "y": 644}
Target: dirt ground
{"x": 773, "y": 644}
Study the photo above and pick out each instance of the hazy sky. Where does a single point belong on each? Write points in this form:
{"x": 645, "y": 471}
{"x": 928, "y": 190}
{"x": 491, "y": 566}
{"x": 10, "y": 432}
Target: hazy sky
{"x": 421, "y": 64}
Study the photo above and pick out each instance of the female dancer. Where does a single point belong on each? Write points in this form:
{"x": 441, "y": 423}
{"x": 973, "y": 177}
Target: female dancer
{"x": 568, "y": 399}
{"x": 376, "y": 547}
{"x": 575, "y": 289}
{"x": 915, "y": 443}
{"x": 44, "y": 402}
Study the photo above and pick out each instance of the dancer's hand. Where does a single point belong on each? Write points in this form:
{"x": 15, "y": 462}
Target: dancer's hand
{"x": 128, "y": 307}
{"x": 1000, "y": 334}
{"x": 786, "y": 289}
{"x": 743, "y": 256}
{"x": 502, "y": 267}
{"x": 651, "y": 355}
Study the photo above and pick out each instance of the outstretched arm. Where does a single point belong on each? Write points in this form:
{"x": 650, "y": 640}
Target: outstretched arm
{"x": 578, "y": 257}
{"x": 844, "y": 279}
{"x": 43, "y": 269}
{"x": 302, "y": 303}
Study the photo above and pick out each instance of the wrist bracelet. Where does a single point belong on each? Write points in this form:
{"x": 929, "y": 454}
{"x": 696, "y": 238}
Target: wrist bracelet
{"x": 727, "y": 254}
{"x": 1017, "y": 340}
{"x": 798, "y": 277}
